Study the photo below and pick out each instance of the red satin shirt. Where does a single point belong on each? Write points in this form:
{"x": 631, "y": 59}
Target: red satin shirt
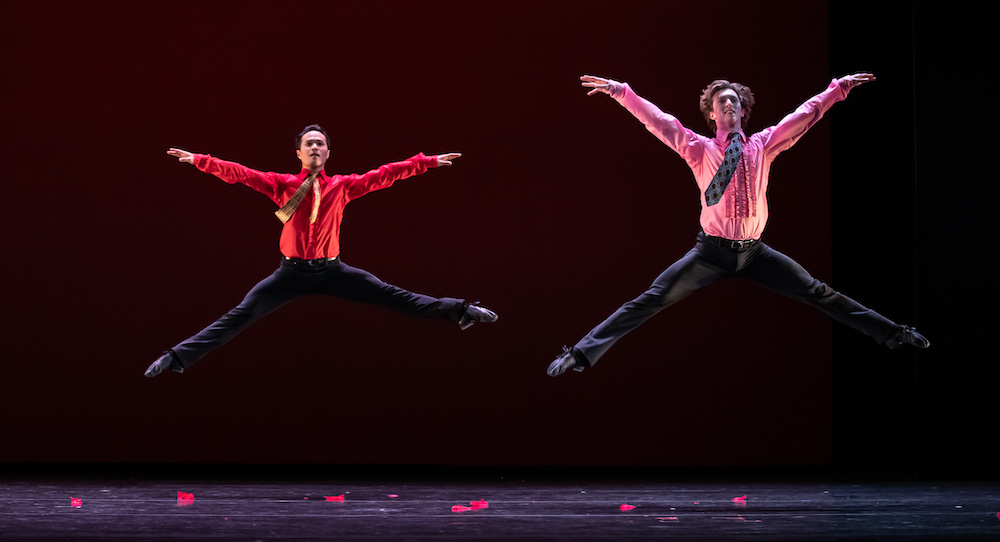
{"x": 321, "y": 239}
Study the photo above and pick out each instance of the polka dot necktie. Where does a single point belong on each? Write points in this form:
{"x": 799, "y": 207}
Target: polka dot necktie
{"x": 726, "y": 170}
{"x": 293, "y": 202}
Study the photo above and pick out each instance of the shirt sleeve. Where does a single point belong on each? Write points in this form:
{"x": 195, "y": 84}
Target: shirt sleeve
{"x": 269, "y": 184}
{"x": 664, "y": 126}
{"x": 787, "y": 132}
{"x": 358, "y": 185}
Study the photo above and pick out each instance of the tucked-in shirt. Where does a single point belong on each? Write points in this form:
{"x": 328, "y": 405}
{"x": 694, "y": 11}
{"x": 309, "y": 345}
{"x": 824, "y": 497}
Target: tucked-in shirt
{"x": 742, "y": 212}
{"x": 319, "y": 239}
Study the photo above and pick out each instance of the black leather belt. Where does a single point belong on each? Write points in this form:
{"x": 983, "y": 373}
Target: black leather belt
{"x": 735, "y": 244}
{"x": 315, "y": 264}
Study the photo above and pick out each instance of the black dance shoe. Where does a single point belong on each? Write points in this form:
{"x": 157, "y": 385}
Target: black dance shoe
{"x": 566, "y": 360}
{"x": 474, "y": 313}
{"x": 166, "y": 361}
{"x": 907, "y": 335}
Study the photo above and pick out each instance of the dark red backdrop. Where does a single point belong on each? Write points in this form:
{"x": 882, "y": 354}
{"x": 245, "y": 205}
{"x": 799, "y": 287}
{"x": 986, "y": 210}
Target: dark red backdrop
{"x": 561, "y": 208}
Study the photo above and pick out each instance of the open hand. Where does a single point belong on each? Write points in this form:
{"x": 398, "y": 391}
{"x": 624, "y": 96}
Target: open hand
{"x": 598, "y": 84}
{"x": 182, "y": 155}
{"x": 447, "y": 158}
{"x": 851, "y": 81}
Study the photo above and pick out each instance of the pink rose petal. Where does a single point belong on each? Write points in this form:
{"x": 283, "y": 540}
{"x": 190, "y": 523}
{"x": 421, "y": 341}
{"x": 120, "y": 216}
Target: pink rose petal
{"x": 335, "y": 498}
{"x": 459, "y": 508}
{"x": 75, "y": 503}
{"x": 626, "y": 507}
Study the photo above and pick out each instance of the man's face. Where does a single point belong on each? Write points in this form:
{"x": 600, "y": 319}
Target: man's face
{"x": 727, "y": 111}
{"x": 313, "y": 151}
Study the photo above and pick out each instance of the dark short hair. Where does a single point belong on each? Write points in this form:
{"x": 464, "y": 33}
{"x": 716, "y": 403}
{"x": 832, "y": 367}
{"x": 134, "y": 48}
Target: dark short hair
{"x": 717, "y": 86}
{"x": 306, "y": 130}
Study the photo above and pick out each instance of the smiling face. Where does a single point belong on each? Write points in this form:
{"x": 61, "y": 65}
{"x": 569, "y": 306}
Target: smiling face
{"x": 726, "y": 105}
{"x": 313, "y": 151}
{"x": 727, "y": 111}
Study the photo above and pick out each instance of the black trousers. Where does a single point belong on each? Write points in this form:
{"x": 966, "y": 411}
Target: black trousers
{"x": 712, "y": 259}
{"x": 296, "y": 278}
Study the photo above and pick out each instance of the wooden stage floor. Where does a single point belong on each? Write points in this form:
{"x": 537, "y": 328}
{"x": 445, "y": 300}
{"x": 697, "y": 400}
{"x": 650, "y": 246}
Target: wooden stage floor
{"x": 36, "y": 508}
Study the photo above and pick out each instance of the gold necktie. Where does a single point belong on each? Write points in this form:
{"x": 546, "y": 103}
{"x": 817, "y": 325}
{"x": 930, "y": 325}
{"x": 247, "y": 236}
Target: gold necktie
{"x": 293, "y": 202}
{"x": 315, "y": 210}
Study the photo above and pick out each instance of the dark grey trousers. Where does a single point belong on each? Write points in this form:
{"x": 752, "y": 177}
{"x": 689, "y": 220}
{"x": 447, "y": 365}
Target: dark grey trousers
{"x": 296, "y": 278}
{"x": 712, "y": 259}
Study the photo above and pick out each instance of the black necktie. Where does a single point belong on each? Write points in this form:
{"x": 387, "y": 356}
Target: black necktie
{"x": 726, "y": 170}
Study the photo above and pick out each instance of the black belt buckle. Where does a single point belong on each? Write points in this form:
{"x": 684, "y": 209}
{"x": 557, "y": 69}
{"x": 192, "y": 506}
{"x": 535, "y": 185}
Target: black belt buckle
{"x": 740, "y": 244}
{"x": 321, "y": 262}
{"x": 316, "y": 264}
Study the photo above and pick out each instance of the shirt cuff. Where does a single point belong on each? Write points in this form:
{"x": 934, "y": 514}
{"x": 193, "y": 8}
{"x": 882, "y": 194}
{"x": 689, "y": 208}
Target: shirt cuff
{"x": 616, "y": 89}
{"x": 201, "y": 160}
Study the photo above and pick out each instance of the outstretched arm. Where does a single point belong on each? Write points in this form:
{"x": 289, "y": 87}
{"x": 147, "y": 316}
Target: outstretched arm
{"x": 384, "y": 176}
{"x": 663, "y": 125}
{"x": 788, "y": 131}
{"x": 231, "y": 172}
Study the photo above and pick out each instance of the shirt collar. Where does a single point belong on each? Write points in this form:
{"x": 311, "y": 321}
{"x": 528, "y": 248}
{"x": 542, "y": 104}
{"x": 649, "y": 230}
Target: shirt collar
{"x": 304, "y": 173}
{"x": 722, "y": 136}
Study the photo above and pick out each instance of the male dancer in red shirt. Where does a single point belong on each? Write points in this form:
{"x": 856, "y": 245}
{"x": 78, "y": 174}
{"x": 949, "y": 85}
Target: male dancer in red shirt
{"x": 312, "y": 208}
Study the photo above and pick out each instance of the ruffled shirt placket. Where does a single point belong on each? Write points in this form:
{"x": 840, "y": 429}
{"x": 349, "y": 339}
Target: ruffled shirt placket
{"x": 741, "y": 201}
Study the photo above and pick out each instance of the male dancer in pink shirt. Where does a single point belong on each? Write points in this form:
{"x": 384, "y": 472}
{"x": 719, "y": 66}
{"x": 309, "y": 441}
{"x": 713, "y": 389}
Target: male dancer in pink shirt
{"x": 732, "y": 171}
{"x": 312, "y": 208}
